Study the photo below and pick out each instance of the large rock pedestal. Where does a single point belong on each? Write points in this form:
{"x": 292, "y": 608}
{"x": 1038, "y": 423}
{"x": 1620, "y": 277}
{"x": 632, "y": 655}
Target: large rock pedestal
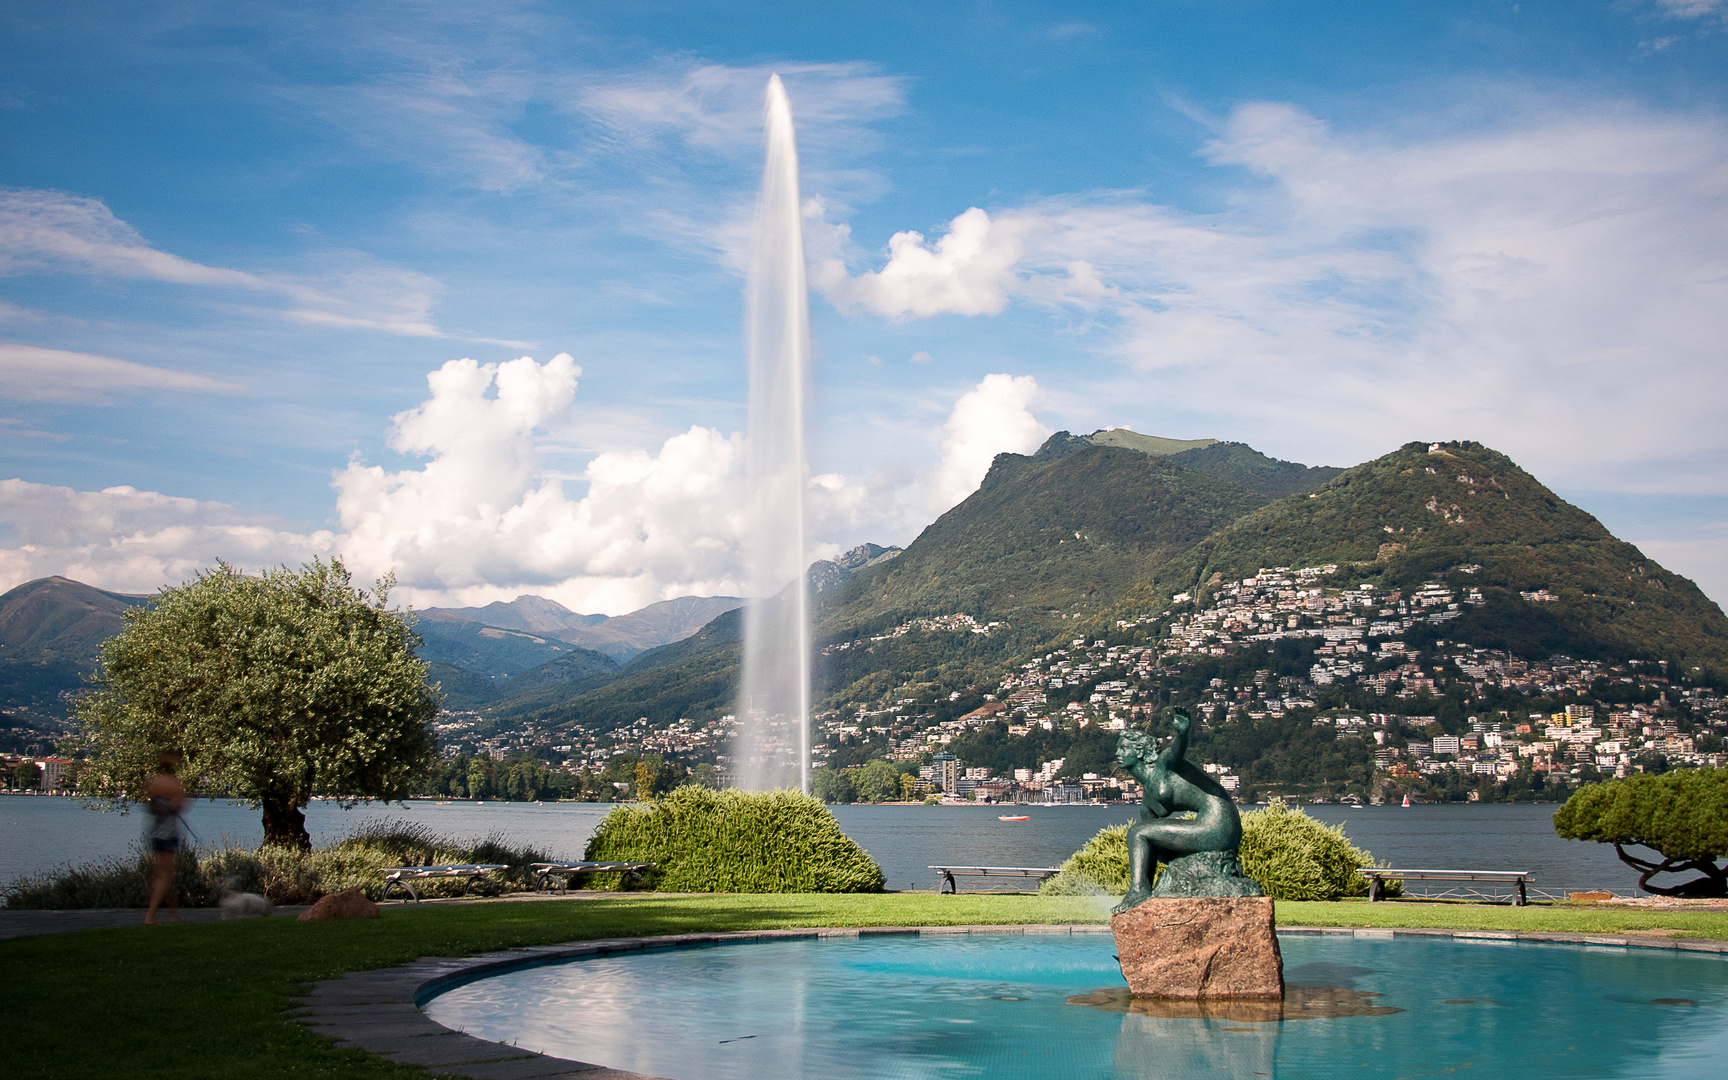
{"x": 1188, "y": 949}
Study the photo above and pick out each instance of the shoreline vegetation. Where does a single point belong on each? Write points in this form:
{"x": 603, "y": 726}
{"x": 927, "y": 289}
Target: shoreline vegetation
{"x": 219, "y": 990}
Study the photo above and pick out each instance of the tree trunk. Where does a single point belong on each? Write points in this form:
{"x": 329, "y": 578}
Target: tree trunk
{"x": 285, "y": 824}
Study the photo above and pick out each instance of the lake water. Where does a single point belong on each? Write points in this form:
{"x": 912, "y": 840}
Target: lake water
{"x": 39, "y": 833}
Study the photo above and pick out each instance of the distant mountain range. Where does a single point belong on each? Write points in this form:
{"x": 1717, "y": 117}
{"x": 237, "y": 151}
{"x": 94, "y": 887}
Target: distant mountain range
{"x": 1063, "y": 543}
{"x": 620, "y": 637}
{"x": 50, "y": 631}
{"x": 1094, "y": 529}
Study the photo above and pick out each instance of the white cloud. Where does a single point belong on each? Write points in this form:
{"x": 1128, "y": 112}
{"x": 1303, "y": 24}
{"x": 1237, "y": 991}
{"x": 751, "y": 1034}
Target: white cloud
{"x": 56, "y": 232}
{"x": 1357, "y": 291}
{"x": 718, "y": 108}
{"x": 994, "y": 417}
{"x": 136, "y": 541}
{"x": 969, "y": 271}
{"x": 481, "y": 520}
{"x": 1690, "y": 9}
{"x": 35, "y": 374}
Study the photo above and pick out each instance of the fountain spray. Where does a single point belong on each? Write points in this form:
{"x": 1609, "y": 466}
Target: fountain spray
{"x": 773, "y": 745}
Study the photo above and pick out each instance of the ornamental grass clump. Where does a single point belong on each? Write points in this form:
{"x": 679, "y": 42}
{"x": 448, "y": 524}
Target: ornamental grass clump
{"x": 285, "y": 875}
{"x": 734, "y": 841}
{"x": 1290, "y": 855}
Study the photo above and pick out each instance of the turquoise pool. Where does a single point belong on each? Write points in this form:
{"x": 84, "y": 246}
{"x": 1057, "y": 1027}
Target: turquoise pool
{"x": 1012, "y": 1006}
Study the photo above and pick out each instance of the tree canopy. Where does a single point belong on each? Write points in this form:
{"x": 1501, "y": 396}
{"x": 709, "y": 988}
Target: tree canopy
{"x": 1683, "y": 815}
{"x": 275, "y": 688}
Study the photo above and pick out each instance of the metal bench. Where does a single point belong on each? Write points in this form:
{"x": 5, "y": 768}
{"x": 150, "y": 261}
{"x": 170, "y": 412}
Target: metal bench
{"x": 471, "y": 874}
{"x": 949, "y": 873}
{"x": 1377, "y": 879}
{"x": 562, "y": 872}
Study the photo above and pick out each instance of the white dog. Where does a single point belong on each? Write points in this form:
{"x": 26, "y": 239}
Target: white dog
{"x": 238, "y": 905}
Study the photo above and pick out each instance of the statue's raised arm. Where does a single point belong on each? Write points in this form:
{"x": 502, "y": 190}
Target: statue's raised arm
{"x": 1200, "y": 851}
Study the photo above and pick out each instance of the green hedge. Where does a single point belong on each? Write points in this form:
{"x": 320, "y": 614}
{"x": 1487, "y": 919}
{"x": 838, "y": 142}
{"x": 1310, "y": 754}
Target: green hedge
{"x": 1291, "y": 855}
{"x": 1099, "y": 867}
{"x": 734, "y": 841}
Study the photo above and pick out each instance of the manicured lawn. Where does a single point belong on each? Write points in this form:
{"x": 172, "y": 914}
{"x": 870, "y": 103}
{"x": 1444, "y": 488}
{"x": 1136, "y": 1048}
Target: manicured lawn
{"x": 204, "y": 1000}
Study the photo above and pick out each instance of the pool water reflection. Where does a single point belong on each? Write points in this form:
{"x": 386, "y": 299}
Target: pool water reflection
{"x": 1011, "y": 1006}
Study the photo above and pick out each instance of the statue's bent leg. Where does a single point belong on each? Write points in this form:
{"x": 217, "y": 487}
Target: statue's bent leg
{"x": 1142, "y": 863}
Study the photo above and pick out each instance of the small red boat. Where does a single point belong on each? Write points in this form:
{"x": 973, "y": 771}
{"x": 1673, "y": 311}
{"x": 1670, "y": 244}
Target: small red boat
{"x": 1013, "y": 817}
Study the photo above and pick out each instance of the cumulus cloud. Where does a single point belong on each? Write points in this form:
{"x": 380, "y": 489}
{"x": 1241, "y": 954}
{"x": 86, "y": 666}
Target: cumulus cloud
{"x": 57, "y": 232}
{"x": 1358, "y": 290}
{"x": 481, "y": 520}
{"x": 994, "y": 417}
{"x": 136, "y": 541}
{"x": 969, "y": 271}
{"x": 30, "y": 373}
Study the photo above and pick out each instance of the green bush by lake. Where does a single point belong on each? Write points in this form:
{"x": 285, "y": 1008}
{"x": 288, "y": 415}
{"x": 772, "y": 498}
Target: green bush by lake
{"x": 734, "y": 841}
{"x": 1292, "y": 856}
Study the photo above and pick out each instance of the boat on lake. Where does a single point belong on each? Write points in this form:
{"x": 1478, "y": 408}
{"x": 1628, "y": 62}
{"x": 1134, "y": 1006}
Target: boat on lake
{"x": 1013, "y": 817}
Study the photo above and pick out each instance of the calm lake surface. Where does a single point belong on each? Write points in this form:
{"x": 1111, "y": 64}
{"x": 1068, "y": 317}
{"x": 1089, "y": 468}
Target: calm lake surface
{"x": 39, "y": 833}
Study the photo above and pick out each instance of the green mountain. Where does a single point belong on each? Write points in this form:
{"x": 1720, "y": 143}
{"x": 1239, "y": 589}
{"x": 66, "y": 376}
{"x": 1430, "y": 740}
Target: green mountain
{"x": 693, "y": 677}
{"x": 620, "y": 637}
{"x": 1466, "y": 514}
{"x": 1242, "y": 464}
{"x": 1045, "y": 537}
{"x": 476, "y": 665}
{"x": 1050, "y": 537}
{"x": 50, "y": 632}
{"x": 1147, "y": 444}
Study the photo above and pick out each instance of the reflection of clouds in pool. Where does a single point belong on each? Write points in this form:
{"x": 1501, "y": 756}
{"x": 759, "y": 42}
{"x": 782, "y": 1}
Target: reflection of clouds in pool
{"x": 860, "y": 1009}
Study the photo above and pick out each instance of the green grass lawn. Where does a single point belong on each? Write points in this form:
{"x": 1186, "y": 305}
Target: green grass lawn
{"x": 204, "y": 1000}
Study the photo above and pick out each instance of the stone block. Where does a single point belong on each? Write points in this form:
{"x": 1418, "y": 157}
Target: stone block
{"x": 347, "y": 904}
{"x": 1193, "y": 948}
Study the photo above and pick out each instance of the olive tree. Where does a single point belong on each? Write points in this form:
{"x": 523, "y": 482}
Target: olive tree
{"x": 275, "y": 688}
{"x": 1681, "y": 815}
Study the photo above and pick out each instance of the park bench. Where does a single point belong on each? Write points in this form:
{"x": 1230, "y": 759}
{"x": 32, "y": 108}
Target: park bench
{"x": 949, "y": 873}
{"x": 472, "y": 874}
{"x": 1377, "y": 879}
{"x": 562, "y": 872}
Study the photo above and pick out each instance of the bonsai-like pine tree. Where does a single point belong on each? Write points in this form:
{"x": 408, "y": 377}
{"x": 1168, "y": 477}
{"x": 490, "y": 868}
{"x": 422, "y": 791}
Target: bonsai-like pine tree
{"x": 1681, "y": 815}
{"x": 275, "y": 689}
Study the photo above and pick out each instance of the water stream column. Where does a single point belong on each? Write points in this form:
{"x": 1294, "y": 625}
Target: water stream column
{"x": 772, "y": 751}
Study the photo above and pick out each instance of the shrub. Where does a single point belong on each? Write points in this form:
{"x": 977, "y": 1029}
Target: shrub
{"x": 734, "y": 841}
{"x": 284, "y": 874}
{"x": 1292, "y": 856}
{"x": 1100, "y": 866}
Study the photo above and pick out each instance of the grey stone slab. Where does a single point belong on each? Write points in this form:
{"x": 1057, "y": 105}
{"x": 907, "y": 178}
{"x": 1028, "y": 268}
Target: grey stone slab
{"x": 539, "y": 1067}
{"x": 311, "y": 1012}
{"x": 366, "y": 1029}
{"x": 447, "y": 1049}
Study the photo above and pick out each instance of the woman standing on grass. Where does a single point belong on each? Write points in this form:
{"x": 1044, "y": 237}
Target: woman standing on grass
{"x": 165, "y": 799}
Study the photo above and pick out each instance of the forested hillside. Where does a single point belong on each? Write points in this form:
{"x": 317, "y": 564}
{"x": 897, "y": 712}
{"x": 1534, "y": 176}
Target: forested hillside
{"x": 1424, "y": 512}
{"x": 1056, "y": 535}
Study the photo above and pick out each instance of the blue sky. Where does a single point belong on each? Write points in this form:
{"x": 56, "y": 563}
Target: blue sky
{"x": 237, "y": 240}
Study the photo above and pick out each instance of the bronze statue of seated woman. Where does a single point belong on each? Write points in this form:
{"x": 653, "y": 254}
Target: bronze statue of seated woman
{"x": 1188, "y": 823}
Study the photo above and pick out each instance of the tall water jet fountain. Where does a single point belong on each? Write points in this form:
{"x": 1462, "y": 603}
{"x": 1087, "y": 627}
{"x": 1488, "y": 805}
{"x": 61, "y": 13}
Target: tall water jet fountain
{"x": 772, "y": 750}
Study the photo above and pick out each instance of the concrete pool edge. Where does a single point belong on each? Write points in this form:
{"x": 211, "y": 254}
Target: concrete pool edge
{"x": 381, "y": 1011}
